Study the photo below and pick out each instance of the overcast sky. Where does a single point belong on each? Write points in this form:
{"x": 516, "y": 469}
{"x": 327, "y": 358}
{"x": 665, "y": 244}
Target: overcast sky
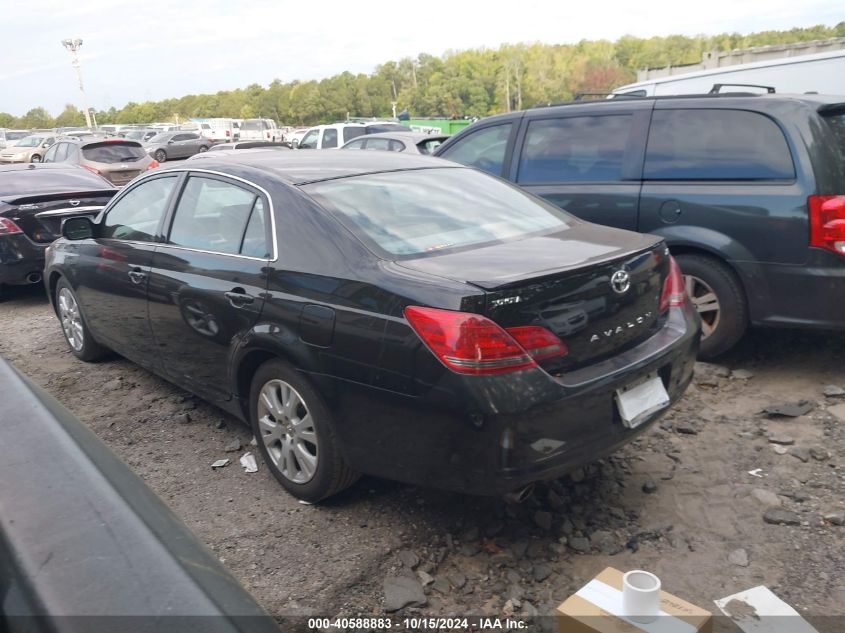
{"x": 154, "y": 49}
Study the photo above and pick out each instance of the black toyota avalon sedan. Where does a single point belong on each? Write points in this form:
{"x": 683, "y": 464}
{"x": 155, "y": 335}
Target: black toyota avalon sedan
{"x": 34, "y": 199}
{"x": 415, "y": 320}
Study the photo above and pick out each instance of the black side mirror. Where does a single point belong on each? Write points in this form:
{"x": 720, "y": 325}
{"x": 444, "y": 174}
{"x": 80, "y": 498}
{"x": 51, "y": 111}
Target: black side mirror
{"x": 78, "y": 228}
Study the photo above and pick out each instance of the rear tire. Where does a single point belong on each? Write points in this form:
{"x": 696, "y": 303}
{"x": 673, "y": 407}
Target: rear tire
{"x": 160, "y": 155}
{"x": 74, "y": 327}
{"x": 717, "y": 295}
{"x": 295, "y": 434}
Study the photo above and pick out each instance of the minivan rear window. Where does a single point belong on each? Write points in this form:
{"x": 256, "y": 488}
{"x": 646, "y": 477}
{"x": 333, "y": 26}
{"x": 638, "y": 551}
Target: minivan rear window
{"x": 113, "y": 152}
{"x": 836, "y": 126}
{"x": 690, "y": 144}
{"x": 408, "y": 213}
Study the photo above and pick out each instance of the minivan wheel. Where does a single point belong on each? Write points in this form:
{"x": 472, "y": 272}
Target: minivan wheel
{"x": 718, "y": 297}
{"x": 76, "y": 332}
{"x": 160, "y": 155}
{"x": 293, "y": 429}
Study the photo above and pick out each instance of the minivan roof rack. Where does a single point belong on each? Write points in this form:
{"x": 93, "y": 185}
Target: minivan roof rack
{"x": 629, "y": 97}
{"x": 717, "y": 88}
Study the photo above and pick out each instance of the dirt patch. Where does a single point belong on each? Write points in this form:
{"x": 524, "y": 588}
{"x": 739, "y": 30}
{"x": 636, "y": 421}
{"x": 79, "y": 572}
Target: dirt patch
{"x": 679, "y": 502}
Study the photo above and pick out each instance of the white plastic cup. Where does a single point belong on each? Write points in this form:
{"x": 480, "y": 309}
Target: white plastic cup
{"x": 640, "y": 596}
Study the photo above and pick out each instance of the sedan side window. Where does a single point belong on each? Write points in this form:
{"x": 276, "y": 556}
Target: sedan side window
{"x": 137, "y": 214}
{"x": 484, "y": 149}
{"x": 255, "y": 236}
{"x": 212, "y": 215}
{"x": 359, "y": 144}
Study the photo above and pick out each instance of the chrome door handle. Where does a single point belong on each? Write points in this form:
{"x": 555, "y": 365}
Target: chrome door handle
{"x": 239, "y": 299}
{"x": 137, "y": 276}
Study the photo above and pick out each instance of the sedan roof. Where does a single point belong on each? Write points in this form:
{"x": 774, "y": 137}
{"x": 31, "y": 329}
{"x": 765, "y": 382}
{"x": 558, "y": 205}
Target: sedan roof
{"x": 303, "y": 166}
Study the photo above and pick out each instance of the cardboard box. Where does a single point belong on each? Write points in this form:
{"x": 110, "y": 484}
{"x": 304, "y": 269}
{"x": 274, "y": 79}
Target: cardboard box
{"x": 597, "y": 608}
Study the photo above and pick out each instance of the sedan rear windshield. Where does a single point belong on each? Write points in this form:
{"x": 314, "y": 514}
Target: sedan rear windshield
{"x": 111, "y": 152}
{"x": 44, "y": 181}
{"x": 408, "y": 213}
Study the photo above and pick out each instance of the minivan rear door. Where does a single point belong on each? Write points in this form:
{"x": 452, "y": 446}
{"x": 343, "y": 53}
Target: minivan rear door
{"x": 586, "y": 159}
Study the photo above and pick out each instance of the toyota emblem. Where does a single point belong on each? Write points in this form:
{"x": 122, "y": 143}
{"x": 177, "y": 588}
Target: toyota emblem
{"x": 73, "y": 203}
{"x": 620, "y": 281}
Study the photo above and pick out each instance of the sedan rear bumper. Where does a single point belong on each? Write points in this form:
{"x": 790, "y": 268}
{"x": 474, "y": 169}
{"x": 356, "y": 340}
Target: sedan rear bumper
{"x": 510, "y": 430}
{"x": 21, "y": 260}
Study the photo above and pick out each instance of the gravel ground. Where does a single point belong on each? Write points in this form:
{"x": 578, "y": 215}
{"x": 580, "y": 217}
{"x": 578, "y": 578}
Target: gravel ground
{"x": 680, "y": 501}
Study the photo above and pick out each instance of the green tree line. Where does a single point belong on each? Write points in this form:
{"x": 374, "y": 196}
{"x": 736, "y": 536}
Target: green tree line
{"x": 476, "y": 82}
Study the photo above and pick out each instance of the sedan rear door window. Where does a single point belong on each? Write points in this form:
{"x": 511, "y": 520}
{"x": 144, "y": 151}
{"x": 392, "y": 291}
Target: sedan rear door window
{"x": 212, "y": 215}
{"x": 137, "y": 214}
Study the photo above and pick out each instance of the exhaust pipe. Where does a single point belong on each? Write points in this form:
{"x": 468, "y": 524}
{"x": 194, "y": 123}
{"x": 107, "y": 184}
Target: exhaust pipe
{"x": 520, "y": 495}
{"x": 34, "y": 278}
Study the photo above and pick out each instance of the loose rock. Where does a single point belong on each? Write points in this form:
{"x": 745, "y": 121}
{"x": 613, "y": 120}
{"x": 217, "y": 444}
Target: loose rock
{"x": 457, "y": 580}
{"x": 441, "y": 585}
{"x": 113, "y": 385}
{"x": 738, "y": 557}
{"x": 781, "y": 438}
{"x": 836, "y": 517}
{"x": 685, "y": 430}
{"x": 541, "y": 572}
{"x": 779, "y": 516}
{"x": 400, "y": 591}
{"x": 766, "y": 497}
{"x": 183, "y": 418}
{"x": 833, "y": 391}
{"x": 742, "y": 374}
{"x": 409, "y": 558}
{"x": 789, "y": 409}
{"x": 579, "y": 544}
{"x": 819, "y": 454}
{"x": 800, "y": 452}
{"x": 649, "y": 487}
{"x": 232, "y": 447}
{"x": 837, "y": 411}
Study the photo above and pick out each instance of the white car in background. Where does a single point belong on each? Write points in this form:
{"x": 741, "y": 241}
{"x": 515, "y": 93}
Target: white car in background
{"x": 260, "y": 130}
{"x": 334, "y": 135}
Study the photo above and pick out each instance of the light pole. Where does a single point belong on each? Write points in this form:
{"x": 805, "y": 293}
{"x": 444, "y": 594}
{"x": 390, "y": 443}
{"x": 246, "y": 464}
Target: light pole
{"x": 73, "y": 45}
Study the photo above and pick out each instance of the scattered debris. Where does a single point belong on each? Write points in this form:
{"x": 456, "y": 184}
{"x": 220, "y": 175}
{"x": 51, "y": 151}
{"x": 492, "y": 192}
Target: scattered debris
{"x": 781, "y": 438}
{"x": 779, "y": 449}
{"x": 758, "y": 610}
{"x": 789, "y": 409}
{"x": 685, "y": 429}
{"x": 738, "y": 557}
{"x": 232, "y": 447}
{"x": 425, "y": 578}
{"x": 401, "y": 591}
{"x": 837, "y": 517}
{"x": 757, "y": 472}
{"x": 113, "y": 385}
{"x": 248, "y": 462}
{"x": 819, "y": 454}
{"x": 253, "y": 442}
{"x": 183, "y": 418}
{"x": 221, "y": 463}
{"x": 742, "y": 374}
{"x": 649, "y": 487}
{"x": 779, "y": 516}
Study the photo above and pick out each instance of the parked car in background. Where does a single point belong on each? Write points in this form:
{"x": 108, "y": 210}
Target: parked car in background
{"x": 295, "y": 135}
{"x": 748, "y": 191}
{"x": 423, "y": 322}
{"x": 334, "y": 135}
{"x": 117, "y": 160}
{"x": 250, "y": 145}
{"x": 10, "y": 137}
{"x": 169, "y": 145}
{"x": 29, "y": 149}
{"x": 34, "y": 199}
{"x": 142, "y": 136}
{"x": 410, "y": 142}
{"x": 260, "y": 130}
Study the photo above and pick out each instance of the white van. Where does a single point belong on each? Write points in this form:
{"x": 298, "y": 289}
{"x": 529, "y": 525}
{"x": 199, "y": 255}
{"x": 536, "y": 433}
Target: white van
{"x": 823, "y": 73}
{"x": 260, "y": 130}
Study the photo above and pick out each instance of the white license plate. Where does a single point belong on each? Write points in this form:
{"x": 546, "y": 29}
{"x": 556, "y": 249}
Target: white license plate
{"x": 640, "y": 400}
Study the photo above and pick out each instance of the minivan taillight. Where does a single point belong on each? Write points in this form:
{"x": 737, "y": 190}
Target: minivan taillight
{"x": 468, "y": 343}
{"x": 674, "y": 293}
{"x": 827, "y": 222}
{"x": 8, "y": 227}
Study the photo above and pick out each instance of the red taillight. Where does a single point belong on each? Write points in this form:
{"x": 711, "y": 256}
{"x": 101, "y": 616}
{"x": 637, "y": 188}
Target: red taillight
{"x": 8, "y": 227}
{"x": 674, "y": 293}
{"x": 228, "y": 133}
{"x": 152, "y": 165}
{"x": 468, "y": 343}
{"x": 827, "y": 222}
{"x": 538, "y": 341}
{"x": 92, "y": 170}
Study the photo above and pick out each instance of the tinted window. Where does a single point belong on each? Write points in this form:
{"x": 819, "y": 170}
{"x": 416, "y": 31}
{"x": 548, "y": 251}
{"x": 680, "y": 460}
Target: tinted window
{"x": 426, "y": 210}
{"x": 484, "y": 149}
{"x": 113, "y": 153}
{"x": 835, "y": 123}
{"x": 211, "y": 216}
{"x": 44, "y": 181}
{"x": 352, "y": 132}
{"x": 329, "y": 138}
{"x": 574, "y": 149}
{"x": 715, "y": 145}
{"x": 160, "y": 138}
{"x": 309, "y": 141}
{"x": 137, "y": 214}
{"x": 359, "y": 144}
{"x": 382, "y": 144}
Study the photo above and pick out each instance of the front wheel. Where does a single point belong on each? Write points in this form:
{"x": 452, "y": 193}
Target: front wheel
{"x": 719, "y": 299}
{"x": 76, "y": 331}
{"x": 203, "y": 148}
{"x": 35, "y": 158}
{"x": 160, "y": 155}
{"x": 293, "y": 429}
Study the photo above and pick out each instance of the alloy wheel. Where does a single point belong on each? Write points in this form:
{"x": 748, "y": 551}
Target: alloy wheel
{"x": 71, "y": 319}
{"x": 287, "y": 431}
{"x": 706, "y": 304}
